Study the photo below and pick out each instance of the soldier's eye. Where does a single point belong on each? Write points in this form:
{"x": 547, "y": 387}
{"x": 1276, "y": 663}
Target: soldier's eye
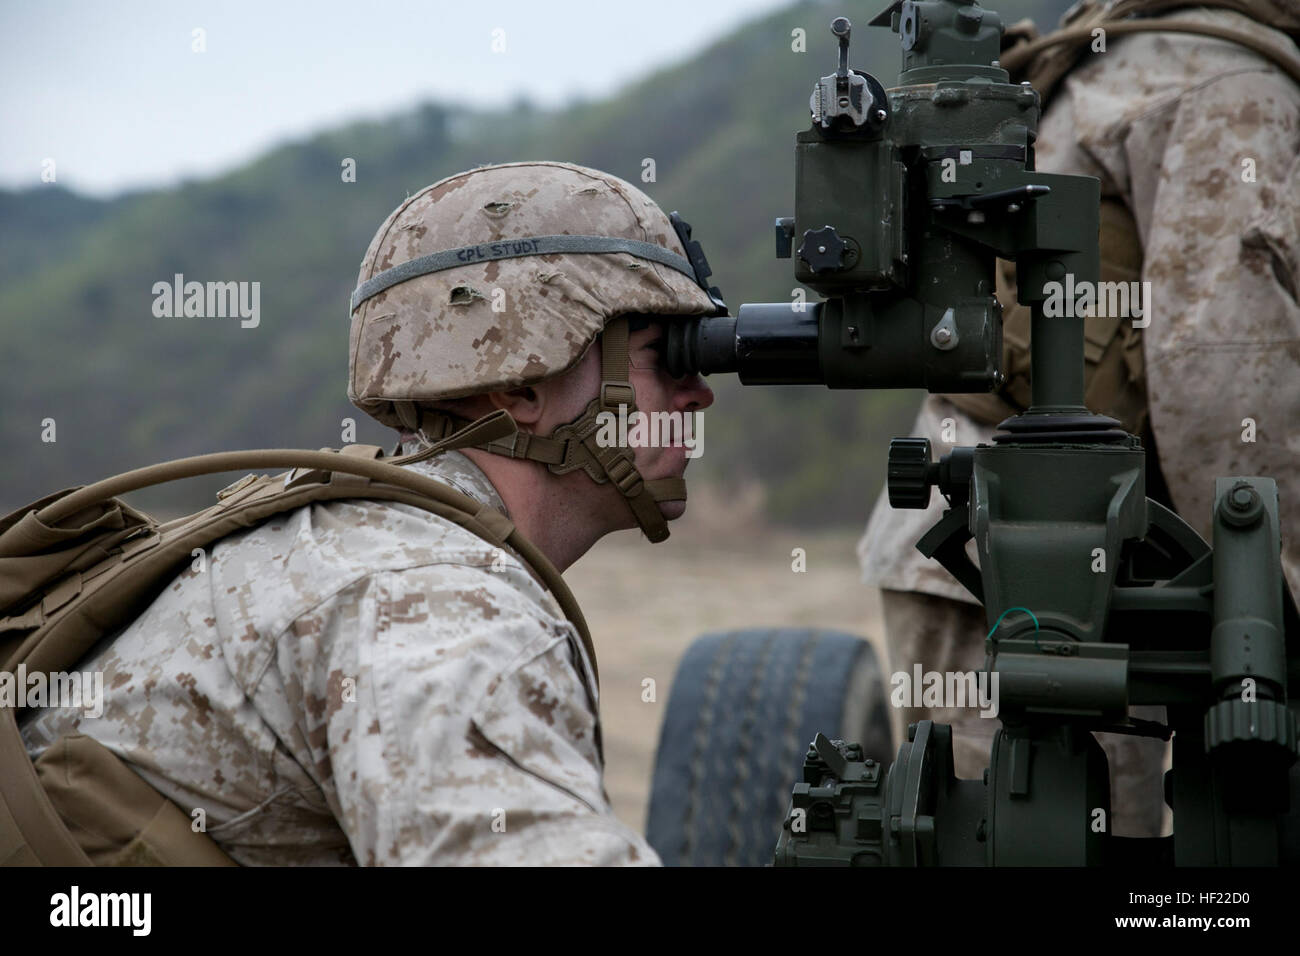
{"x": 650, "y": 355}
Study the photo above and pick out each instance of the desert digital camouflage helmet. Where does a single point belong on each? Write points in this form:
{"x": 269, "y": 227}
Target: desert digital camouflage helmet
{"x": 503, "y": 276}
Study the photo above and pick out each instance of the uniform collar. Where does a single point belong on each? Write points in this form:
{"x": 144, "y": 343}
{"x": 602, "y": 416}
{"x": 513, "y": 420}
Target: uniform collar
{"x": 455, "y": 469}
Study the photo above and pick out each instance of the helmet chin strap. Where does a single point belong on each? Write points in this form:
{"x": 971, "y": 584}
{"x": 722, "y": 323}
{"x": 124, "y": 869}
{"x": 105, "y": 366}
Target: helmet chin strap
{"x": 570, "y": 446}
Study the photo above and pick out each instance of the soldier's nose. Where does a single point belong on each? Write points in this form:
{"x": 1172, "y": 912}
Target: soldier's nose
{"x": 694, "y": 394}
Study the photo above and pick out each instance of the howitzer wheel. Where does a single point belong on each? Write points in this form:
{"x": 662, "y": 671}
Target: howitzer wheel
{"x": 744, "y": 707}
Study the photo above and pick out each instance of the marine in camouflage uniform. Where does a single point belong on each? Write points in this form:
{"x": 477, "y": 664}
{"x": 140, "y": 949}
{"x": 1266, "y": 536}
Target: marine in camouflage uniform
{"x": 366, "y": 682}
{"x": 1196, "y": 142}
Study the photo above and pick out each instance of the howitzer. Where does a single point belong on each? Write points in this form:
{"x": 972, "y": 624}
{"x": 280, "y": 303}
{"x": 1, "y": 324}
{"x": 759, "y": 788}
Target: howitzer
{"x": 904, "y": 199}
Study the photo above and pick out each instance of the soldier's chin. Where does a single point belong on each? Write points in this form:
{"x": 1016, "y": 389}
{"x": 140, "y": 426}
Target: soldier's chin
{"x": 672, "y": 510}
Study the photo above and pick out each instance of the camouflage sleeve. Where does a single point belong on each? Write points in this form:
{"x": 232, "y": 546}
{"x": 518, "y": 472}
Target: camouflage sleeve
{"x": 1217, "y": 180}
{"x": 449, "y": 719}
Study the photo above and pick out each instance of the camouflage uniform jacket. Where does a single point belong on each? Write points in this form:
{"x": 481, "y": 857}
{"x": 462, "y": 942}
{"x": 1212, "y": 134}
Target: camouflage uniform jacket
{"x": 1175, "y": 125}
{"x": 363, "y": 682}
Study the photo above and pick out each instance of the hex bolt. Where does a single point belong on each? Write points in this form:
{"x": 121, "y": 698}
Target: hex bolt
{"x": 1241, "y": 506}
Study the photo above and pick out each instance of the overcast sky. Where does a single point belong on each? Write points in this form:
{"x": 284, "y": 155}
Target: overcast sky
{"x": 114, "y": 93}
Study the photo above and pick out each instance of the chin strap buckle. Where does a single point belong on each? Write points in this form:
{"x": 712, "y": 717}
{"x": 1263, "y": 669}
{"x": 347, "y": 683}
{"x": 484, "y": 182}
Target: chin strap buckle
{"x": 622, "y": 471}
{"x": 614, "y": 394}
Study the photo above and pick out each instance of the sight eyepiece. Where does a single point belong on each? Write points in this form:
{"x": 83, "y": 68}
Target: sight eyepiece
{"x": 767, "y": 343}
{"x": 701, "y": 344}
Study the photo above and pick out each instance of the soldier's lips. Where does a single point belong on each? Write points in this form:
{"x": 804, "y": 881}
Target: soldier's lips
{"x": 673, "y": 461}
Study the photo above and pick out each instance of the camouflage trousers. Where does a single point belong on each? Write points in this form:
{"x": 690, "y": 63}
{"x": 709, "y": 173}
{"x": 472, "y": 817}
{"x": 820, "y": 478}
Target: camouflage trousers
{"x": 945, "y": 635}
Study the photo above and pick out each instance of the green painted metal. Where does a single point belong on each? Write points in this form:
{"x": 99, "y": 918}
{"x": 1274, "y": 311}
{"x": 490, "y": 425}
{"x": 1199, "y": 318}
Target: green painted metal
{"x": 904, "y": 199}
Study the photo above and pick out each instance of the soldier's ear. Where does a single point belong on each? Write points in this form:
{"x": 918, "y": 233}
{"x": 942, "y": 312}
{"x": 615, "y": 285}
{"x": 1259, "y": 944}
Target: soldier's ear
{"x": 525, "y": 405}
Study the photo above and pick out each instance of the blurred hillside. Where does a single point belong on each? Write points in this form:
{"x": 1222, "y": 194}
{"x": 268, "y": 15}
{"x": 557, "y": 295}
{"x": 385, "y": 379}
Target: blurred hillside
{"x": 125, "y": 388}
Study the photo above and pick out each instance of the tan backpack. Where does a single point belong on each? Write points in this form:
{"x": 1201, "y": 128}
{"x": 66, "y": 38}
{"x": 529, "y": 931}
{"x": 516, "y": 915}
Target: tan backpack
{"x": 79, "y": 565}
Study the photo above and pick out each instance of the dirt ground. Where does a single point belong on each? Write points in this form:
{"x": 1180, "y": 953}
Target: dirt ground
{"x": 646, "y": 603}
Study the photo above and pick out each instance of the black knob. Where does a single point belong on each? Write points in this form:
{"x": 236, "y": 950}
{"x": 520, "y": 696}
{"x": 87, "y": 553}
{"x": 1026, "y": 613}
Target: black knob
{"x": 822, "y": 249}
{"x": 910, "y": 473}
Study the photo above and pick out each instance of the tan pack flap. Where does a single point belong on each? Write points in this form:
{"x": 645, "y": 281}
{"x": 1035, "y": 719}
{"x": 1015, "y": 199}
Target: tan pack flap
{"x": 116, "y": 817}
